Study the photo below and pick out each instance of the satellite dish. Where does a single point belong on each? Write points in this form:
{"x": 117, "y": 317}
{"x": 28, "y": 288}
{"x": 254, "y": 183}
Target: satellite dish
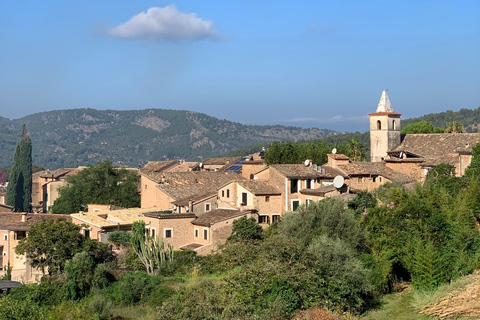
{"x": 338, "y": 182}
{"x": 200, "y": 165}
{"x": 334, "y": 151}
{"x": 255, "y": 178}
{"x": 307, "y": 162}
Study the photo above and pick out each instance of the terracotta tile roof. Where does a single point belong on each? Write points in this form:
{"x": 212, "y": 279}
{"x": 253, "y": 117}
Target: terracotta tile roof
{"x": 320, "y": 191}
{"x": 296, "y": 171}
{"x": 379, "y": 168}
{"x": 158, "y": 166}
{"x": 330, "y": 172}
{"x": 183, "y": 167}
{"x": 13, "y": 221}
{"x": 195, "y": 198}
{"x": 221, "y": 161}
{"x": 437, "y": 145}
{"x": 180, "y": 185}
{"x": 55, "y": 174}
{"x": 5, "y": 208}
{"x": 353, "y": 169}
{"x": 218, "y": 215}
{"x": 259, "y": 187}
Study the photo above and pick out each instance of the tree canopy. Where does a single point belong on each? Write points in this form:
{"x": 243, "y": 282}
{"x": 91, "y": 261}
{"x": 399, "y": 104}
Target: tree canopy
{"x": 289, "y": 152}
{"x": 19, "y": 191}
{"x": 99, "y": 184}
{"x": 51, "y": 243}
{"x": 421, "y": 127}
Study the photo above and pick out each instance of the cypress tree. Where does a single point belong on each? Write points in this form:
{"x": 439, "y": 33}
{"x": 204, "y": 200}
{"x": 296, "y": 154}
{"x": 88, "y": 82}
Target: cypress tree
{"x": 19, "y": 191}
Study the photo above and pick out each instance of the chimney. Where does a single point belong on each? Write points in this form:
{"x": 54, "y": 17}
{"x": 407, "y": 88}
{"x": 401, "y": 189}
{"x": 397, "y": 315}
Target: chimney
{"x": 190, "y": 206}
{"x": 24, "y": 216}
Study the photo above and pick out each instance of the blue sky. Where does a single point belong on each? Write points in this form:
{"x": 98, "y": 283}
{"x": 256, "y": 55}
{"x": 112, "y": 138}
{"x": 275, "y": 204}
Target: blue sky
{"x": 303, "y": 63}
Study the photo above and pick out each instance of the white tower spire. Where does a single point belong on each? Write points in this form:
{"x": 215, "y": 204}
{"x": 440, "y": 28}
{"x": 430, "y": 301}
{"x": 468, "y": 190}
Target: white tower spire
{"x": 384, "y": 105}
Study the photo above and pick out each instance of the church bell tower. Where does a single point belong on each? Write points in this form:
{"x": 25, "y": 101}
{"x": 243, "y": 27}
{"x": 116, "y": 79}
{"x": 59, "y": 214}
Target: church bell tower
{"x": 384, "y": 129}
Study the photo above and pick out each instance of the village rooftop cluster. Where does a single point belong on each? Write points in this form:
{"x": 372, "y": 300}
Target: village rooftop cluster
{"x": 192, "y": 205}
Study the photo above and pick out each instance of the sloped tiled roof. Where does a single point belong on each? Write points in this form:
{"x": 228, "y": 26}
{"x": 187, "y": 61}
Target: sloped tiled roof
{"x": 13, "y": 221}
{"x": 221, "y": 161}
{"x": 331, "y": 172}
{"x": 158, "y": 166}
{"x": 55, "y": 174}
{"x": 208, "y": 218}
{"x": 296, "y": 171}
{"x": 195, "y": 198}
{"x": 320, "y": 191}
{"x": 379, "y": 168}
{"x": 180, "y": 185}
{"x": 353, "y": 168}
{"x": 437, "y": 145}
{"x": 259, "y": 187}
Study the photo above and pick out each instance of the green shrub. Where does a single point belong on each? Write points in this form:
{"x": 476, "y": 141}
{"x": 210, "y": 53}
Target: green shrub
{"x": 100, "y": 307}
{"x": 132, "y": 287}
{"x": 20, "y": 309}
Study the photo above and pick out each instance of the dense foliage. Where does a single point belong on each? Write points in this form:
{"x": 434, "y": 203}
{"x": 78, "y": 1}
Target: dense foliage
{"x": 421, "y": 127}
{"x": 19, "y": 191}
{"x": 52, "y": 242}
{"x": 100, "y": 184}
{"x": 329, "y": 254}
{"x": 298, "y": 152}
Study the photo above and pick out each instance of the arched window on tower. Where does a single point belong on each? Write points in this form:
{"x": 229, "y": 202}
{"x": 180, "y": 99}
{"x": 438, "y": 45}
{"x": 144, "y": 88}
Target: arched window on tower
{"x": 379, "y": 125}
{"x": 393, "y": 125}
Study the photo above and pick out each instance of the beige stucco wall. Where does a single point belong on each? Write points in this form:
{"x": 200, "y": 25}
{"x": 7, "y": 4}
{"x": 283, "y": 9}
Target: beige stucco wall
{"x": 386, "y": 138}
{"x": 249, "y": 169}
{"x": 411, "y": 169}
{"x": 151, "y": 196}
{"x": 182, "y": 230}
{"x": 231, "y": 190}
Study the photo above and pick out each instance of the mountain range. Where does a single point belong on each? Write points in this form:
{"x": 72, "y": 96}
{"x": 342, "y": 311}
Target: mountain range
{"x": 69, "y": 138}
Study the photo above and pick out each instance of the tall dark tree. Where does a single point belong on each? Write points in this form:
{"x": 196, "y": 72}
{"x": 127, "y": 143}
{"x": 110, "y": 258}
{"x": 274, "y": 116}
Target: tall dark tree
{"x": 19, "y": 191}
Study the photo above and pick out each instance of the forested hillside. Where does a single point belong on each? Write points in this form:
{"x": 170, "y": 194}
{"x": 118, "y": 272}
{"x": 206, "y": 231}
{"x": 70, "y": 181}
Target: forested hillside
{"x": 69, "y": 138}
{"x": 469, "y": 118}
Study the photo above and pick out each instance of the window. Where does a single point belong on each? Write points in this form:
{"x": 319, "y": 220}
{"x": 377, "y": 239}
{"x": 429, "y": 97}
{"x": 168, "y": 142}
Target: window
{"x": 244, "y": 198}
{"x": 263, "y": 219}
{"x": 5, "y": 237}
{"x": 86, "y": 233}
{"x": 207, "y": 207}
{"x": 293, "y": 185}
{"x": 145, "y": 187}
{"x": 196, "y": 233}
{"x": 380, "y": 179}
{"x": 153, "y": 233}
{"x": 20, "y": 235}
{"x": 228, "y": 193}
{"x": 374, "y": 179}
{"x": 393, "y": 125}
{"x": 295, "y": 204}
{"x": 308, "y": 184}
{"x": 309, "y": 200}
{"x": 379, "y": 125}
{"x": 223, "y": 193}
{"x": 275, "y": 217}
{"x": 267, "y": 198}
{"x": 205, "y": 234}
{"x": 168, "y": 233}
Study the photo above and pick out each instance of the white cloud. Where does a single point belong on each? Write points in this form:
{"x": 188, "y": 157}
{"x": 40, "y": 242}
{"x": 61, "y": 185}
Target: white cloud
{"x": 164, "y": 24}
